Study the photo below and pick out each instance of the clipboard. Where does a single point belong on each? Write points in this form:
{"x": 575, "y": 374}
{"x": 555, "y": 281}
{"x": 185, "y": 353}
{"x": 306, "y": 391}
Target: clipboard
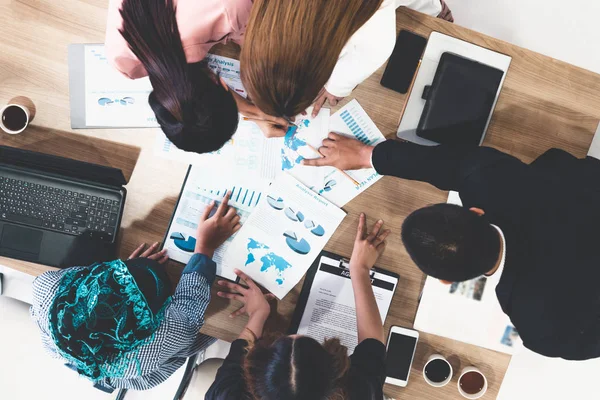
{"x": 310, "y": 277}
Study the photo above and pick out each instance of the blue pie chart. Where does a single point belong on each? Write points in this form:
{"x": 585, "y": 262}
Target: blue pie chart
{"x": 275, "y": 203}
{"x": 186, "y": 245}
{"x": 299, "y": 246}
{"x": 293, "y": 215}
{"x": 308, "y": 224}
{"x": 318, "y": 231}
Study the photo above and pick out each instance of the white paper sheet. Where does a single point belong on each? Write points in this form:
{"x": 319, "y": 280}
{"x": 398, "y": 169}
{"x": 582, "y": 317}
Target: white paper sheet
{"x": 352, "y": 121}
{"x": 228, "y": 69}
{"x": 284, "y": 234}
{"x": 111, "y": 99}
{"x": 468, "y": 311}
{"x": 248, "y": 152}
{"x": 301, "y": 143}
{"x": 330, "y": 309}
{"x": 203, "y": 186}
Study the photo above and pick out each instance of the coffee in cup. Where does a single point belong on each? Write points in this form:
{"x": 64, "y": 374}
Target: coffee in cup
{"x": 472, "y": 384}
{"x": 16, "y": 115}
{"x": 437, "y": 371}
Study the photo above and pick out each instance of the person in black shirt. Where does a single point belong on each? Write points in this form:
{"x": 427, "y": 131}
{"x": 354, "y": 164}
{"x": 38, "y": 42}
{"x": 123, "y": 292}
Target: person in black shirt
{"x": 297, "y": 367}
{"x": 537, "y": 225}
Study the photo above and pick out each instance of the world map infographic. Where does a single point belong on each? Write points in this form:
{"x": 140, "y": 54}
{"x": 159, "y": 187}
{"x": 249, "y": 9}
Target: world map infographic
{"x": 260, "y": 254}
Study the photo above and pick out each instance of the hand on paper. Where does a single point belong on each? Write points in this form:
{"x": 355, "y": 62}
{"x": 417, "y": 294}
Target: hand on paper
{"x": 214, "y": 231}
{"x": 272, "y": 129}
{"x": 271, "y": 126}
{"x": 151, "y": 253}
{"x": 255, "y": 303}
{"x": 323, "y": 96}
{"x": 342, "y": 152}
{"x": 367, "y": 247}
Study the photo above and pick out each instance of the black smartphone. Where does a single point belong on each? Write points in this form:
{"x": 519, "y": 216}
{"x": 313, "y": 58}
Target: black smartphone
{"x": 403, "y": 62}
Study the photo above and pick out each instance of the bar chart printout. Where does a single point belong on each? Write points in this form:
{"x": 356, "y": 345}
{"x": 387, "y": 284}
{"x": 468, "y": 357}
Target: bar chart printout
{"x": 199, "y": 190}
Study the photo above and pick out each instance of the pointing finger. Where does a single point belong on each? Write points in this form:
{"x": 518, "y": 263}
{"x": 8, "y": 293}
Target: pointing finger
{"x": 361, "y": 230}
{"x": 223, "y": 206}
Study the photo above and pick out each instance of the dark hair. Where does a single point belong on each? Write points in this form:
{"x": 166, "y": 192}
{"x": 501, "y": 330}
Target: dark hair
{"x": 296, "y": 368}
{"x": 194, "y": 112}
{"x": 450, "y": 242}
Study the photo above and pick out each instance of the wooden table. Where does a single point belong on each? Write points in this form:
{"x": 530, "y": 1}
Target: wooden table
{"x": 544, "y": 103}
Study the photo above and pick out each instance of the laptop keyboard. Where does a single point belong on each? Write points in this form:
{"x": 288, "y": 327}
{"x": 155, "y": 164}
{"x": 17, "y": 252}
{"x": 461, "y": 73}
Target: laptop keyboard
{"x": 57, "y": 209}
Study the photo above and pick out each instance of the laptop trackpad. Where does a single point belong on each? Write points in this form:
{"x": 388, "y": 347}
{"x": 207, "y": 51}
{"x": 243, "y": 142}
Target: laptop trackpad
{"x": 18, "y": 241}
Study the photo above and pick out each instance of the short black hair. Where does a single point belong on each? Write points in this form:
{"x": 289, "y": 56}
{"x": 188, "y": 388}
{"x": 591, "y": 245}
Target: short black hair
{"x": 450, "y": 242}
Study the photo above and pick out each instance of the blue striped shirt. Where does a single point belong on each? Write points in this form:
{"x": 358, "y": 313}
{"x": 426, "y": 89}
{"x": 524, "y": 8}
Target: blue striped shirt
{"x": 177, "y": 338}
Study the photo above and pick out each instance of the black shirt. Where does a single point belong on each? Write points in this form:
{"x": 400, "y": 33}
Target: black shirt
{"x": 549, "y": 212}
{"x": 365, "y": 377}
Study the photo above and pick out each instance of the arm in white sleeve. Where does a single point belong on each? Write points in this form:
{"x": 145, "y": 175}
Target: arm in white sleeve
{"x": 365, "y": 52}
{"x": 429, "y": 7}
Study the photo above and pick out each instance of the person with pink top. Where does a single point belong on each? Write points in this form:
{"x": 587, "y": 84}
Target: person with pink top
{"x": 166, "y": 40}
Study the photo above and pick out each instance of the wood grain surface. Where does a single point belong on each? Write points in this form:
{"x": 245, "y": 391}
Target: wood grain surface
{"x": 544, "y": 103}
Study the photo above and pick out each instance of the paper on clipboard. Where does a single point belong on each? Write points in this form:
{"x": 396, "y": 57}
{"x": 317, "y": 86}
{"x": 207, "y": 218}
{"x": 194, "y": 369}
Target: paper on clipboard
{"x": 328, "y": 308}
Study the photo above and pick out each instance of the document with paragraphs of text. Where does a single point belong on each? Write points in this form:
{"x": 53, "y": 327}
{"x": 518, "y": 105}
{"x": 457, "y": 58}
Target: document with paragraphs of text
{"x": 326, "y": 307}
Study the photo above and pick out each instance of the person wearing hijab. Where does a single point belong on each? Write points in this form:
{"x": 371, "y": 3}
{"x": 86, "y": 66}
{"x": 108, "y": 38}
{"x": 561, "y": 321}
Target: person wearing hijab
{"x": 118, "y": 324}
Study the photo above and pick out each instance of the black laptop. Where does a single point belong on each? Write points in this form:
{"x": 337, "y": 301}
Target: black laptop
{"x": 57, "y": 211}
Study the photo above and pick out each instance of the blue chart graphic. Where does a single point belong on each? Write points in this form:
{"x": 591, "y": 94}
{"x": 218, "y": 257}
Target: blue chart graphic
{"x": 240, "y": 195}
{"x": 293, "y": 215}
{"x": 328, "y": 186}
{"x": 291, "y": 144}
{"x": 267, "y": 259}
{"x": 314, "y": 229}
{"x": 275, "y": 203}
{"x": 184, "y": 245}
{"x": 354, "y": 127}
{"x": 318, "y": 231}
{"x": 299, "y": 246}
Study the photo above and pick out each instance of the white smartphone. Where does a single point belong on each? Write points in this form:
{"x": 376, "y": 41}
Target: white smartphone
{"x": 401, "y": 347}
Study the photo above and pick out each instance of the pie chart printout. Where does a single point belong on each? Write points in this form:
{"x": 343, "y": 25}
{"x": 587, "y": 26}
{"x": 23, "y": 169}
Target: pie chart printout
{"x": 299, "y": 246}
{"x": 276, "y": 203}
{"x": 182, "y": 244}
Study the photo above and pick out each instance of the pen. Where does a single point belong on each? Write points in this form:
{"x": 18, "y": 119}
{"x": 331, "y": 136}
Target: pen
{"x": 410, "y": 88}
{"x": 343, "y": 172}
{"x": 264, "y": 120}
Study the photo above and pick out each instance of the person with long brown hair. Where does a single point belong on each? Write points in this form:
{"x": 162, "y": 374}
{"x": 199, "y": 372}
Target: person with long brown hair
{"x": 298, "y": 367}
{"x": 194, "y": 108}
{"x": 299, "y": 51}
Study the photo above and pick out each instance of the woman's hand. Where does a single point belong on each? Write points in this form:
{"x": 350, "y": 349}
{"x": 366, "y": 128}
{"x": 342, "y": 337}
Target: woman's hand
{"x": 151, "y": 253}
{"x": 271, "y": 126}
{"x": 367, "y": 248}
{"x": 214, "y": 231}
{"x": 255, "y": 303}
{"x": 271, "y": 129}
{"x": 323, "y": 96}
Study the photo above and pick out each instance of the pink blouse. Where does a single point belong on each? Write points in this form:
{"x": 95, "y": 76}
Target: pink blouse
{"x": 202, "y": 24}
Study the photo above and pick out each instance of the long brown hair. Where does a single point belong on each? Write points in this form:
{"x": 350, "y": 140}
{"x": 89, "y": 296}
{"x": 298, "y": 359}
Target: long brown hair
{"x": 196, "y": 113}
{"x": 296, "y": 368}
{"x": 292, "y": 46}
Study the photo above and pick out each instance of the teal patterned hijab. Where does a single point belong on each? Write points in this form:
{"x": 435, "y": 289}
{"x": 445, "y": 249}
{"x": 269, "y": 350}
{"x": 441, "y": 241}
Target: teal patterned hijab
{"x": 99, "y": 317}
